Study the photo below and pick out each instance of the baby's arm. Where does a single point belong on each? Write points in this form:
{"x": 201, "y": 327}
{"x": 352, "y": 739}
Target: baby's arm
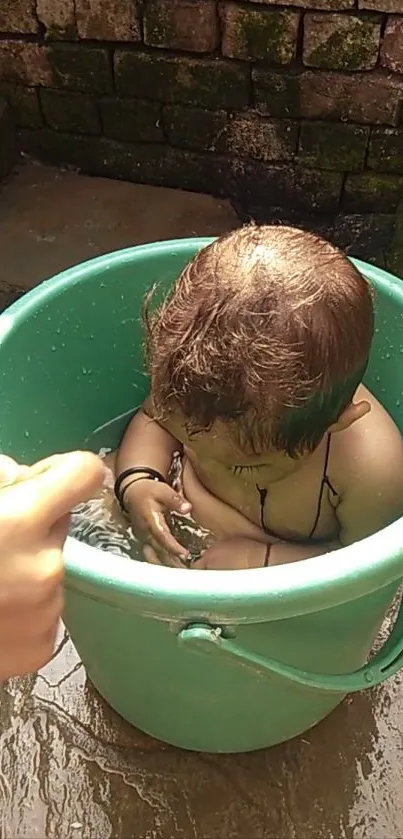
{"x": 373, "y": 496}
{"x": 241, "y": 553}
{"x": 146, "y": 443}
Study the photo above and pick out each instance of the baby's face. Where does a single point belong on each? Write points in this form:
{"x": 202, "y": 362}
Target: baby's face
{"x": 216, "y": 449}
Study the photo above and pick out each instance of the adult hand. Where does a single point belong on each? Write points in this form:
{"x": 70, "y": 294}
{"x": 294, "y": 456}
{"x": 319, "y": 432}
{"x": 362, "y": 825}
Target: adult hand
{"x": 35, "y": 503}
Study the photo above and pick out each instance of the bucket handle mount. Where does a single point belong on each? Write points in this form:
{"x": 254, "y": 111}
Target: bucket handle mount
{"x": 387, "y": 661}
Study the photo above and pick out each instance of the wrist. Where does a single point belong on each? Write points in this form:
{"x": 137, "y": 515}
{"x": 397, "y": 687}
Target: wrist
{"x": 131, "y": 494}
{"x": 131, "y": 476}
{"x": 132, "y": 479}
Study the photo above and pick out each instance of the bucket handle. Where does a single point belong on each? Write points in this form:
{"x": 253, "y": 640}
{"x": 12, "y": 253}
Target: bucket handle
{"x": 387, "y": 661}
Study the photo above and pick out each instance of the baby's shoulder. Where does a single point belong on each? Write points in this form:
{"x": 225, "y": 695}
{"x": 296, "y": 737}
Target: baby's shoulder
{"x": 367, "y": 460}
{"x": 371, "y": 449}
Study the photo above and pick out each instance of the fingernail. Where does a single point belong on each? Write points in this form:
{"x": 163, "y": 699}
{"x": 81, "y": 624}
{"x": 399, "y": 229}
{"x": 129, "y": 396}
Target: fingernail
{"x": 184, "y": 507}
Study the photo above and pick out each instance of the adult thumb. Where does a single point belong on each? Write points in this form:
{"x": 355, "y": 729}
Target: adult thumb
{"x": 53, "y": 487}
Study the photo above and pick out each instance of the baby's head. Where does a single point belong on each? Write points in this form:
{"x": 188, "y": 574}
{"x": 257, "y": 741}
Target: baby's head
{"x": 267, "y": 331}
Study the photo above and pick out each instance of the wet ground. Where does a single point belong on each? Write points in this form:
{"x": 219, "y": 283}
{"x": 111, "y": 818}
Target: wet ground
{"x": 69, "y": 767}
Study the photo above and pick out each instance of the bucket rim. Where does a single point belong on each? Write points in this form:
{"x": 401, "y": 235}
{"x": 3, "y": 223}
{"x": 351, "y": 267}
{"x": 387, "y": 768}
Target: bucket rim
{"x": 233, "y": 596}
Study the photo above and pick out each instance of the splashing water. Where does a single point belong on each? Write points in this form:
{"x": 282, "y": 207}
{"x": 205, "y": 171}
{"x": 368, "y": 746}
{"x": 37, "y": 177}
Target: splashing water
{"x": 100, "y": 523}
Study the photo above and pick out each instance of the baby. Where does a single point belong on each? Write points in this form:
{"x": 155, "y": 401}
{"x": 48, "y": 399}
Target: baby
{"x": 256, "y": 360}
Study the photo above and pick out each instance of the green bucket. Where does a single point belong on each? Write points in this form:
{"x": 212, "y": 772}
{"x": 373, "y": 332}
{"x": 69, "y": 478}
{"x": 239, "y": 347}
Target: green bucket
{"x": 214, "y": 661}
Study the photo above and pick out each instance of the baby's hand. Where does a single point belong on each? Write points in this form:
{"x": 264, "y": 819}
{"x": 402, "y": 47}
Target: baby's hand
{"x": 234, "y": 554}
{"x": 147, "y": 502}
{"x": 156, "y": 555}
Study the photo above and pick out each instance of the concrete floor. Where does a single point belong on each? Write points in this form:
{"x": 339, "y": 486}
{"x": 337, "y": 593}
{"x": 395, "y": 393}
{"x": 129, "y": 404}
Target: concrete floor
{"x": 69, "y": 767}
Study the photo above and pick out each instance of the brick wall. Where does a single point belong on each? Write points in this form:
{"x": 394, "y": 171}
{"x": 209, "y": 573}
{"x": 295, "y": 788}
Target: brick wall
{"x": 7, "y": 141}
{"x": 284, "y": 108}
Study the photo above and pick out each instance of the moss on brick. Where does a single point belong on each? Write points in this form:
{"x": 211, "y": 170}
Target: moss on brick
{"x": 367, "y": 236}
{"x": 262, "y": 139}
{"x": 371, "y": 192}
{"x": 257, "y": 184}
{"x": 56, "y": 33}
{"x": 350, "y": 97}
{"x": 248, "y": 182}
{"x": 213, "y": 83}
{"x": 333, "y": 146}
{"x": 353, "y": 46}
{"x": 132, "y": 120}
{"x": 24, "y": 104}
{"x": 237, "y": 134}
{"x": 181, "y": 24}
{"x": 267, "y": 37}
{"x": 260, "y": 35}
{"x": 196, "y": 128}
{"x": 386, "y": 150}
{"x": 149, "y": 163}
{"x": 80, "y": 68}
{"x": 75, "y": 112}
{"x": 159, "y": 24}
{"x": 8, "y": 148}
{"x": 58, "y": 18}
{"x": 276, "y": 94}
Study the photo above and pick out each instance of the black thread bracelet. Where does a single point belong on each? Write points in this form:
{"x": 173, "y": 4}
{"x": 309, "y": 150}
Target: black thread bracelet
{"x": 146, "y": 471}
{"x": 126, "y": 487}
{"x": 267, "y": 553}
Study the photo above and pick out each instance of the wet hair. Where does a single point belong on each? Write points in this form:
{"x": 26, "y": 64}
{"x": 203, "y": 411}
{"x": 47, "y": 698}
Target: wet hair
{"x": 267, "y": 329}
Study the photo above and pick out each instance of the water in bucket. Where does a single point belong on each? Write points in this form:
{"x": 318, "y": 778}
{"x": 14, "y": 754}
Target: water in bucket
{"x": 100, "y": 523}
